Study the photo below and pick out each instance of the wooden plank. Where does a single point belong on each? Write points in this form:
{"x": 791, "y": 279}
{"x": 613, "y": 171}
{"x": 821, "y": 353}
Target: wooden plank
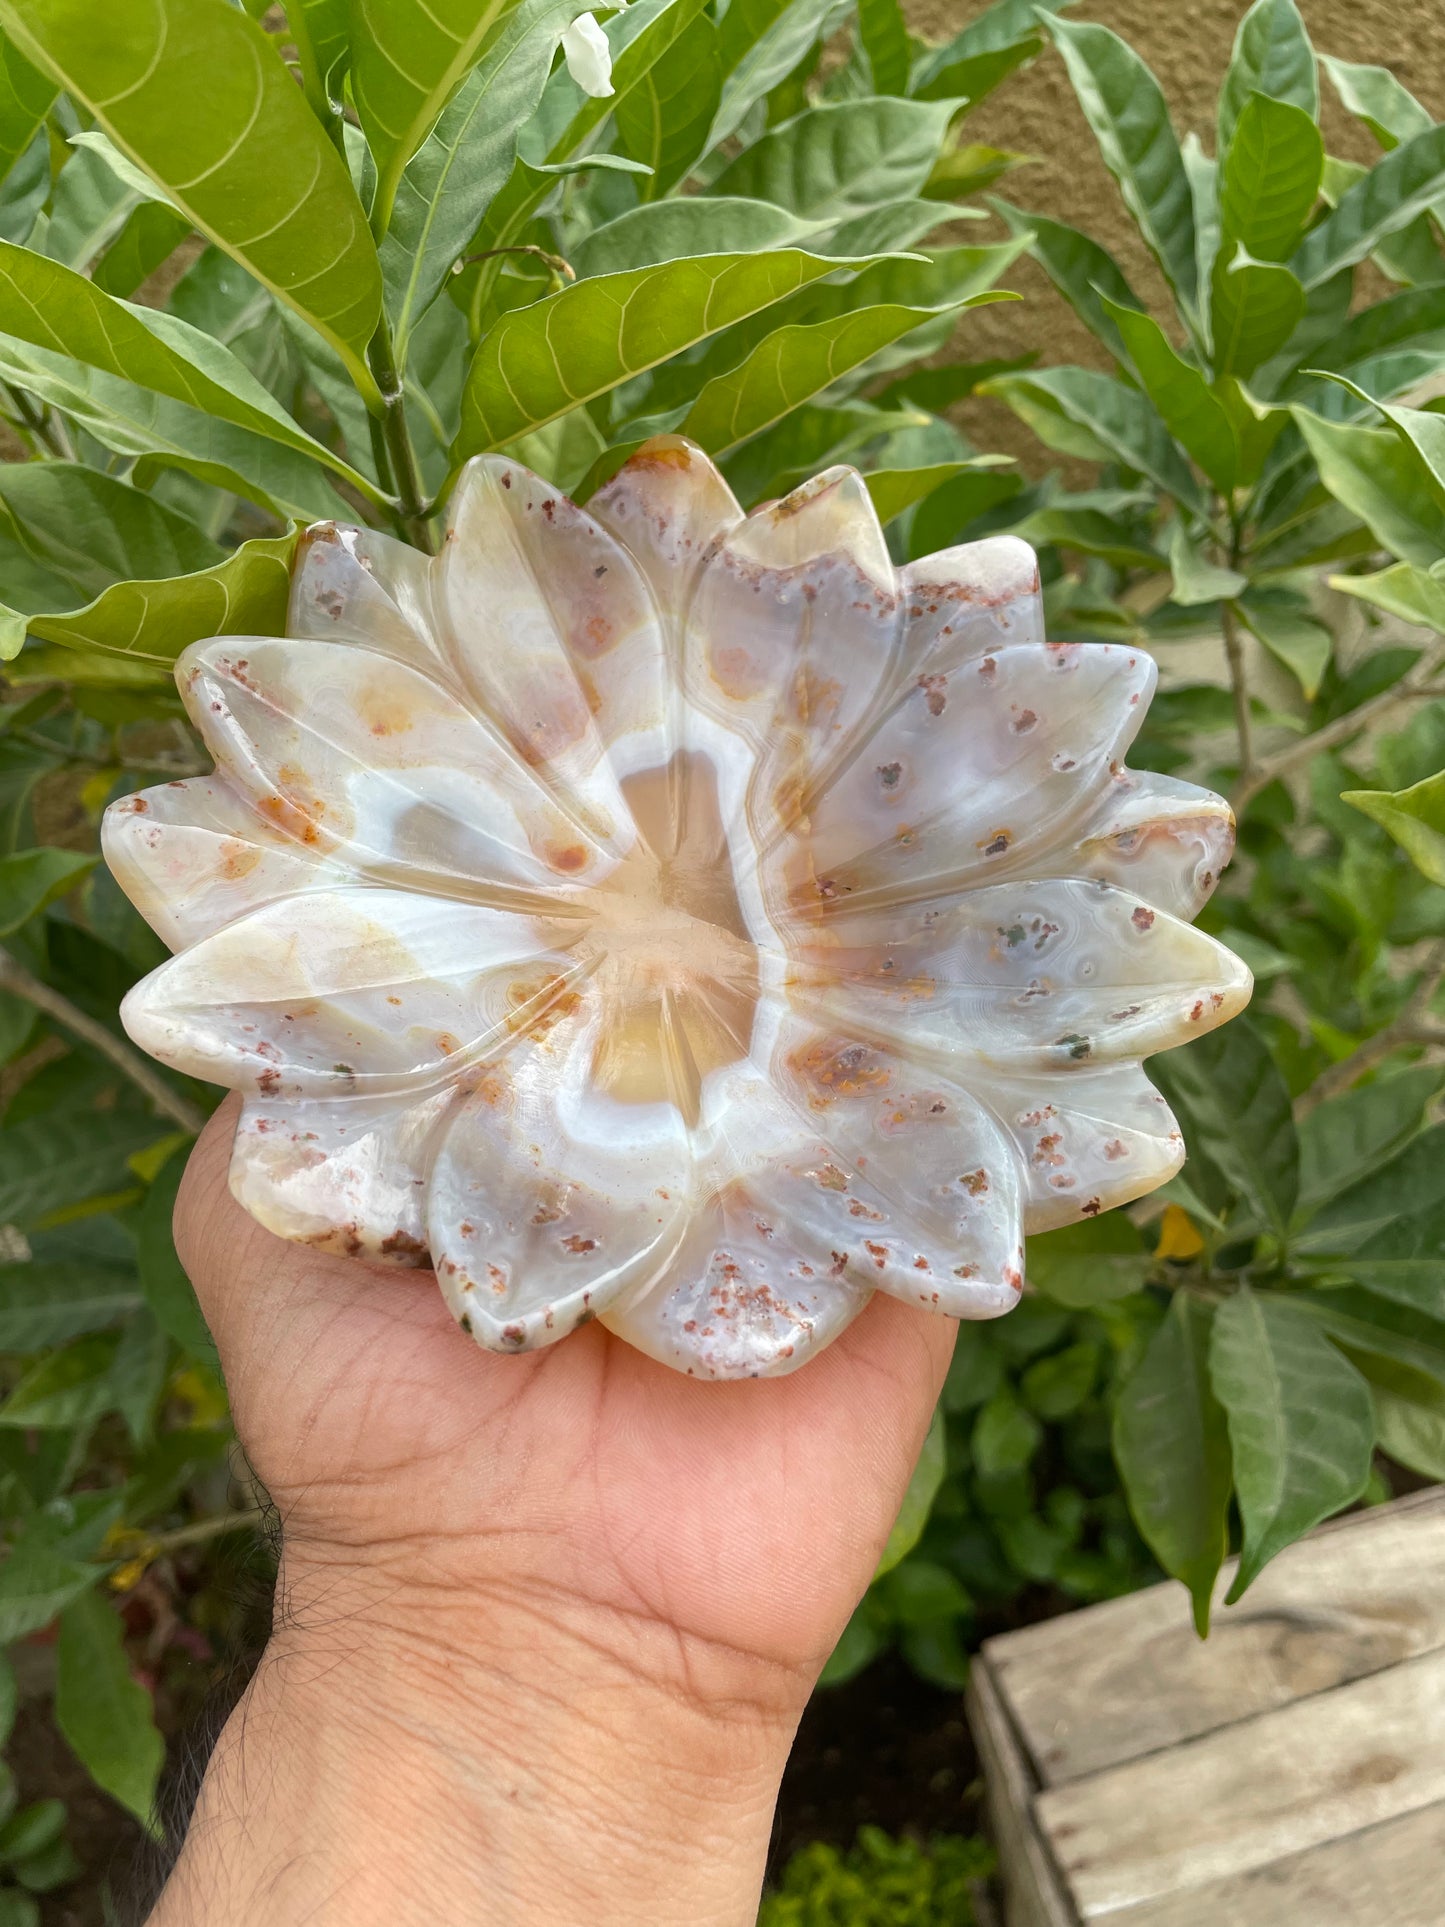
{"x": 1246, "y": 1795}
{"x": 1034, "y": 1895}
{"x": 1387, "y": 1876}
{"x": 1095, "y": 1688}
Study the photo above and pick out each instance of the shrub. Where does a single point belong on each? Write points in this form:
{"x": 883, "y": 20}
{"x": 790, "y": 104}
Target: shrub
{"x": 880, "y": 1882}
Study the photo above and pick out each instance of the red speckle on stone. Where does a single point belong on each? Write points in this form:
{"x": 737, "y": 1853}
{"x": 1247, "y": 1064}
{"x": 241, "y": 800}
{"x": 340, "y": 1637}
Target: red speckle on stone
{"x": 1142, "y": 919}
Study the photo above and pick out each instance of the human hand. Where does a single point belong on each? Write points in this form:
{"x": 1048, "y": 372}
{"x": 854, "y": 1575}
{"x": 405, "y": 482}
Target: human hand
{"x": 546, "y": 1623}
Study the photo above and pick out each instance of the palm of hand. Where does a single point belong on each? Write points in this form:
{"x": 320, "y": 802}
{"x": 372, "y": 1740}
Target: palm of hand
{"x": 742, "y": 1517}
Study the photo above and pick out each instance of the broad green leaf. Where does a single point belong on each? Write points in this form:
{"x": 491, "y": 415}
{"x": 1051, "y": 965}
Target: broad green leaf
{"x": 32, "y": 878}
{"x": 1270, "y": 180}
{"x": 1123, "y": 104}
{"x": 1404, "y": 184}
{"x": 795, "y": 363}
{"x": 163, "y": 1279}
{"x": 64, "y": 313}
{"x": 1396, "y": 1349}
{"x": 149, "y": 623}
{"x": 1412, "y": 1184}
{"x": 152, "y": 234}
{"x": 65, "y": 1388}
{"x": 1419, "y": 428}
{"x": 25, "y": 98}
{"x": 1006, "y": 1435}
{"x": 35, "y": 1583}
{"x": 121, "y": 166}
{"x": 988, "y": 50}
{"x": 103, "y": 1711}
{"x": 196, "y": 94}
{"x": 664, "y": 120}
{"x": 1348, "y": 1135}
{"x": 842, "y": 158}
{"x": 46, "y": 1304}
{"x": 1171, "y": 1445}
{"x": 760, "y": 44}
{"x": 1193, "y": 415}
{"x": 1303, "y": 644}
{"x": 62, "y": 1158}
{"x": 138, "y": 1375}
{"x": 894, "y": 490}
{"x": 1090, "y": 1263}
{"x": 918, "y": 1499}
{"x": 884, "y": 34}
{"x": 321, "y": 30}
{"x": 950, "y": 513}
{"x": 968, "y": 167}
{"x": 1202, "y": 171}
{"x": 1084, "y": 273}
{"x": 1415, "y": 817}
{"x": 1272, "y": 56}
{"x": 138, "y": 422}
{"x": 95, "y": 530}
{"x": 539, "y": 362}
{"x": 1405, "y": 1262}
{"x": 1255, "y": 306}
{"x": 894, "y": 227}
{"x": 89, "y": 206}
{"x": 1056, "y": 1385}
{"x": 1410, "y": 1434}
{"x": 1089, "y": 531}
{"x": 1375, "y": 96}
{"x": 1301, "y": 1423}
{"x": 1081, "y": 412}
{"x": 1197, "y": 580}
{"x": 937, "y": 389}
{"x": 1235, "y": 1108}
{"x": 1411, "y": 321}
{"x": 1382, "y": 479}
{"x": 1402, "y": 590}
{"x": 683, "y": 225}
{"x": 467, "y": 159}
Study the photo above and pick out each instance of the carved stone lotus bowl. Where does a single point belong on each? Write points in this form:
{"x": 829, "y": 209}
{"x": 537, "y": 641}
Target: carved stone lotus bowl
{"x": 676, "y": 917}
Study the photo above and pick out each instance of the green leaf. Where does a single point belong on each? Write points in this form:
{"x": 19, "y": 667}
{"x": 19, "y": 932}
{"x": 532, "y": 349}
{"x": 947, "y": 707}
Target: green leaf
{"x": 30, "y": 879}
{"x": 1412, "y": 1435}
{"x": 1412, "y": 1184}
{"x": 1090, "y": 531}
{"x": 918, "y": 1499}
{"x": 1191, "y": 412}
{"x": 665, "y": 119}
{"x": 1006, "y": 1435}
{"x": 467, "y": 159}
{"x": 9, "y": 1705}
{"x": 163, "y": 1279}
{"x": 1354, "y": 1132}
{"x": 33, "y": 1828}
{"x": 1420, "y": 429}
{"x": 147, "y": 624}
{"x": 152, "y": 234}
{"x": 1414, "y": 817}
{"x": 1272, "y": 56}
{"x": 539, "y": 362}
{"x": 795, "y": 363}
{"x": 1375, "y": 96}
{"x": 1301, "y": 1423}
{"x": 61, "y": 1158}
{"x": 894, "y": 490}
{"x": 1197, "y": 580}
{"x": 989, "y": 49}
{"x": 94, "y": 529}
{"x": 1270, "y": 180}
{"x": 1057, "y": 1384}
{"x": 1404, "y": 184}
{"x": 1123, "y": 104}
{"x": 1382, "y": 479}
{"x": 1402, "y": 590}
{"x": 682, "y": 225}
{"x": 884, "y": 34}
{"x": 1084, "y": 273}
{"x": 1090, "y": 1263}
{"x": 25, "y": 99}
{"x": 1291, "y": 635}
{"x": 1081, "y": 412}
{"x": 1255, "y": 307}
{"x": 105, "y": 1713}
{"x": 1171, "y": 1445}
{"x": 66, "y": 1388}
{"x": 36, "y": 1581}
{"x": 45, "y": 1304}
{"x": 321, "y": 32}
{"x": 197, "y": 96}
{"x": 1236, "y": 1111}
{"x": 55, "y": 309}
{"x": 842, "y": 158}
{"x": 760, "y": 43}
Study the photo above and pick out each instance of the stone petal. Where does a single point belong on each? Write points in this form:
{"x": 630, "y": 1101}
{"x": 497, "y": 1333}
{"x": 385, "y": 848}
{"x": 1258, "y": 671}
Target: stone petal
{"x": 1037, "y": 975}
{"x": 352, "y": 991}
{"x": 192, "y": 857}
{"x": 549, "y": 1202}
{"x": 1164, "y": 839}
{"x": 553, "y": 632}
{"x": 973, "y": 774}
{"x": 667, "y": 506}
{"x": 347, "y": 1177}
{"x": 968, "y": 602}
{"x": 351, "y": 752}
{"x": 356, "y": 585}
{"x": 1089, "y": 1139}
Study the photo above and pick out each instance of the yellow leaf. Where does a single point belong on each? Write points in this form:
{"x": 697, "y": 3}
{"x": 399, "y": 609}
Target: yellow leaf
{"x": 1177, "y": 1236}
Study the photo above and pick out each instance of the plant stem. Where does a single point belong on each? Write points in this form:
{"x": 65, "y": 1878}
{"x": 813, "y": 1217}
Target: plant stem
{"x": 198, "y": 1532}
{"x": 396, "y": 434}
{"x": 554, "y": 261}
{"x": 1410, "y": 687}
{"x": 1234, "y": 651}
{"x": 1411, "y": 1026}
{"x": 15, "y": 978}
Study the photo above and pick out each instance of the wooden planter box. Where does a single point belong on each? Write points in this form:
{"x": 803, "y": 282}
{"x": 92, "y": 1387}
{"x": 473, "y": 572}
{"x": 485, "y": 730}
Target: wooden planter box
{"x": 1288, "y": 1772}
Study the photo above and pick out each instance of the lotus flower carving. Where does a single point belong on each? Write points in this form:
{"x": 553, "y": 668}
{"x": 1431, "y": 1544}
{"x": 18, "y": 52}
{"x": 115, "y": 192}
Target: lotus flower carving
{"x": 674, "y": 916}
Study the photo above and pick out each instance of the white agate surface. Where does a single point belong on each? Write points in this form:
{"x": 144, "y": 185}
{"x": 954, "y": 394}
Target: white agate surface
{"x": 676, "y": 917}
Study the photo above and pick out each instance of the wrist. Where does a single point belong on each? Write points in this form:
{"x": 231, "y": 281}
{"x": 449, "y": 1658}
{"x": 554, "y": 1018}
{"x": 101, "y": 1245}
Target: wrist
{"x": 523, "y": 1759}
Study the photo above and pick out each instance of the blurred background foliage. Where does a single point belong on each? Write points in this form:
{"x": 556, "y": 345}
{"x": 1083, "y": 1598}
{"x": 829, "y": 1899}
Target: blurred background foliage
{"x": 1254, "y": 491}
